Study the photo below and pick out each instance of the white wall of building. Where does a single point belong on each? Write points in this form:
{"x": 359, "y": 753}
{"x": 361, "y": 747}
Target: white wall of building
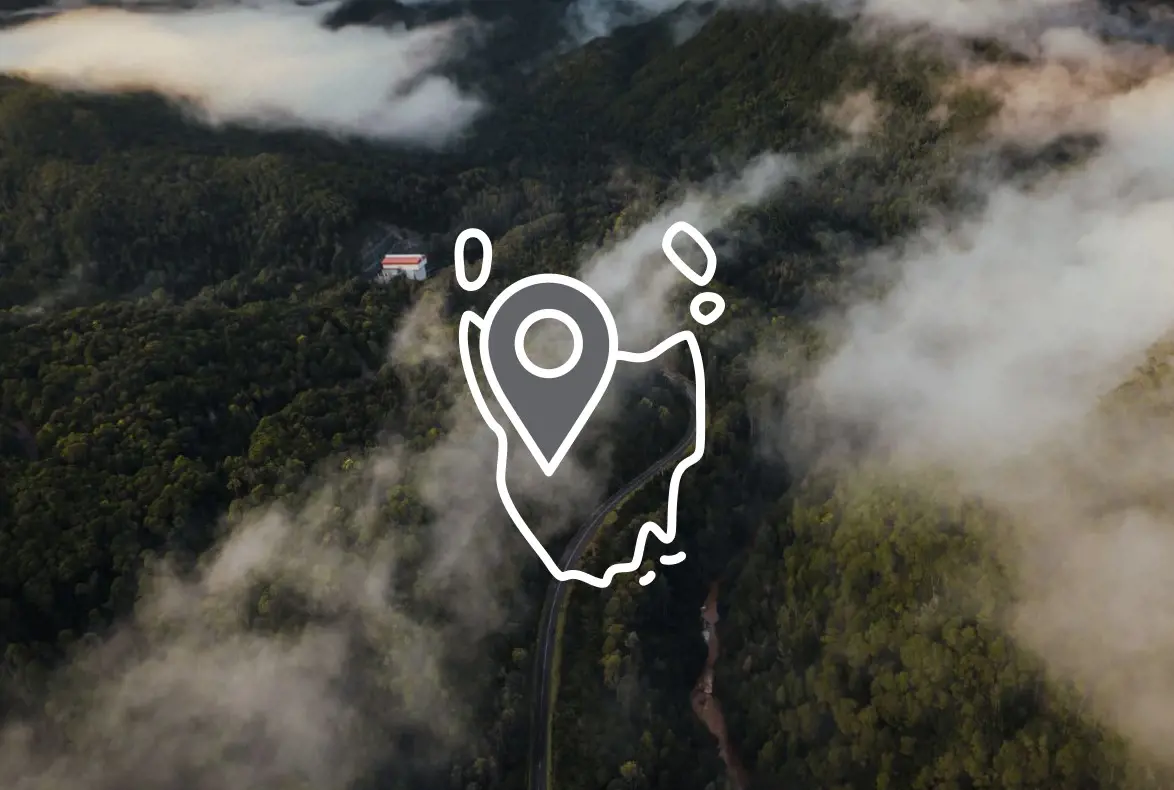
{"x": 417, "y": 272}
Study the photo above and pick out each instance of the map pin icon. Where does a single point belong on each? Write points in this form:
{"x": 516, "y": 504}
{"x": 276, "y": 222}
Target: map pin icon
{"x": 549, "y": 406}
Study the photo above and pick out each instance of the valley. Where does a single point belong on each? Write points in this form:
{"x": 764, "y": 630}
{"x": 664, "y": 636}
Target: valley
{"x": 249, "y": 535}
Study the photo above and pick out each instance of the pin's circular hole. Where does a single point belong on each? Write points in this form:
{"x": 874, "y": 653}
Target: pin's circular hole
{"x": 576, "y": 342}
{"x": 702, "y": 317}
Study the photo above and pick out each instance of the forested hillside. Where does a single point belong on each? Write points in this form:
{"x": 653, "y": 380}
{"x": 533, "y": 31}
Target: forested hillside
{"x": 185, "y": 340}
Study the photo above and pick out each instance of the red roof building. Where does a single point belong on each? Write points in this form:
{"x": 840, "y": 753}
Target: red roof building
{"x": 414, "y": 267}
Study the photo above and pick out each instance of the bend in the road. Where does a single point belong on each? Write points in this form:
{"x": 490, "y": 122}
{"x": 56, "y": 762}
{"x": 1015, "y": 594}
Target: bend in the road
{"x": 541, "y": 691}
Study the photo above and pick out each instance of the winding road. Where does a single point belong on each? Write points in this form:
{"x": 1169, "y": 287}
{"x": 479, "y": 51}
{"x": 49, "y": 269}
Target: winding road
{"x": 541, "y": 693}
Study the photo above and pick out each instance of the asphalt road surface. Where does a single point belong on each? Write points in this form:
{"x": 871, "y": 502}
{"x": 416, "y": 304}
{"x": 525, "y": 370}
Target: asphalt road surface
{"x": 541, "y": 711}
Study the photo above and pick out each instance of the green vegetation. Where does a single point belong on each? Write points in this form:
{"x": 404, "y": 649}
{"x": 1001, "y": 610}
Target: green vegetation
{"x": 881, "y": 662}
{"x": 183, "y": 334}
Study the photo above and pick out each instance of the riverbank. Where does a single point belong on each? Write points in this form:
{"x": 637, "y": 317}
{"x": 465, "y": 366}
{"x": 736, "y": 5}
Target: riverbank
{"x": 706, "y": 706}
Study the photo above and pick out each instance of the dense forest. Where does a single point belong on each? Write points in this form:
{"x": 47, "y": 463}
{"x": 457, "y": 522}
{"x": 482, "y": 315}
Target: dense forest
{"x": 186, "y": 340}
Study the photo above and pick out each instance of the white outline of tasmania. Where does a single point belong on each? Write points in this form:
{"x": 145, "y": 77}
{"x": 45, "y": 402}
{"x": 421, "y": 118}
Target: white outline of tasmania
{"x": 549, "y": 466}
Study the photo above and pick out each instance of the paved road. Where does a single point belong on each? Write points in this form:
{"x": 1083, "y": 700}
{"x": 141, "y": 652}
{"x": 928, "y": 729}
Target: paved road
{"x": 541, "y": 711}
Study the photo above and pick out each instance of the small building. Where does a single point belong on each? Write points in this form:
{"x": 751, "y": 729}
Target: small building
{"x": 412, "y": 266}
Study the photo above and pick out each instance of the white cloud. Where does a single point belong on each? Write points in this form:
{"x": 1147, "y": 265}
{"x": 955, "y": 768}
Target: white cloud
{"x": 988, "y": 357}
{"x": 271, "y": 66}
{"x": 632, "y": 274}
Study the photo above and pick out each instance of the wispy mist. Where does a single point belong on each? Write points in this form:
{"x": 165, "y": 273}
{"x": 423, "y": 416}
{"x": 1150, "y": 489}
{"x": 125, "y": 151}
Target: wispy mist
{"x": 634, "y": 277}
{"x": 590, "y": 19}
{"x": 1017, "y": 24}
{"x": 317, "y": 639}
{"x": 477, "y": 546}
{"x": 273, "y": 66}
{"x": 200, "y": 690}
{"x": 638, "y": 283}
{"x": 993, "y": 344}
{"x": 1009, "y": 18}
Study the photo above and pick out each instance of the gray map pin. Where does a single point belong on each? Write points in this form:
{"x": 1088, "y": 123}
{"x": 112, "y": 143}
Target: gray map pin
{"x": 549, "y": 406}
